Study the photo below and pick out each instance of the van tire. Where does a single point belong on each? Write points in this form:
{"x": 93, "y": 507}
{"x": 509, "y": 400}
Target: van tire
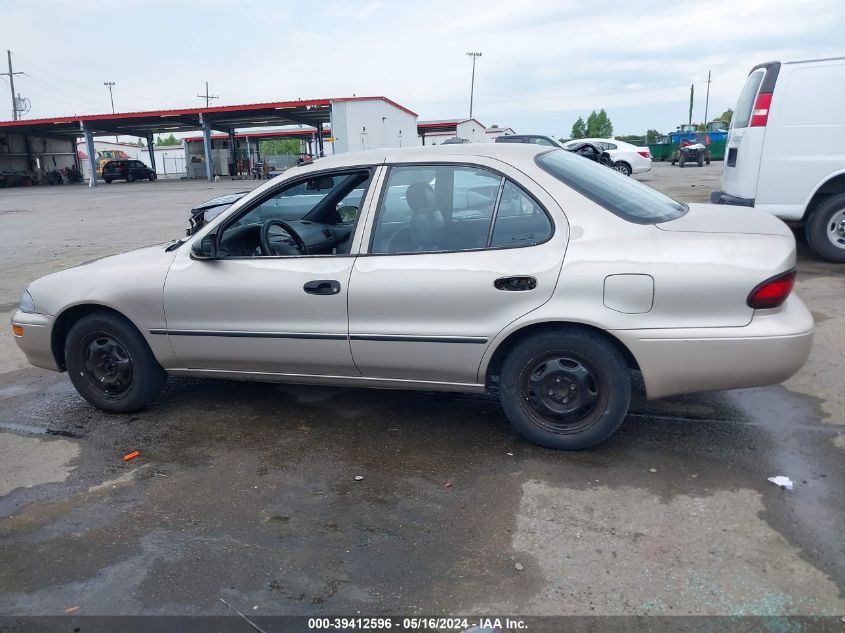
{"x": 681, "y": 160}
{"x": 819, "y": 226}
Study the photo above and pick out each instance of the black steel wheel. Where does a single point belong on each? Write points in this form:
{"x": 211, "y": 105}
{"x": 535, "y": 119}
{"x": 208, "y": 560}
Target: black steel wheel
{"x": 566, "y": 389}
{"x": 108, "y": 366}
{"x": 110, "y": 363}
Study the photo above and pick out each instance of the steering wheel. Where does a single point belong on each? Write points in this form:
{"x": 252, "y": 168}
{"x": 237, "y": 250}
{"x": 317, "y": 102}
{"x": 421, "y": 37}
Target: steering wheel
{"x": 267, "y": 248}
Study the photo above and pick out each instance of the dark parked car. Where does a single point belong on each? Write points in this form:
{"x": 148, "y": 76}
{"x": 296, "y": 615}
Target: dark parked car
{"x": 128, "y": 170}
{"x": 534, "y": 139}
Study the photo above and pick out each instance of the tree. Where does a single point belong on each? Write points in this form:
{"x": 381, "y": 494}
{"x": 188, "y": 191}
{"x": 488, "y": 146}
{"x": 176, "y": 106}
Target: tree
{"x": 599, "y": 125}
{"x": 170, "y": 140}
{"x": 579, "y": 129}
{"x": 280, "y": 146}
{"x": 727, "y": 115}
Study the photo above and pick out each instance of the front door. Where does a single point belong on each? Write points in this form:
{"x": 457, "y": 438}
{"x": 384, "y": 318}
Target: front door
{"x": 456, "y": 253}
{"x": 251, "y": 312}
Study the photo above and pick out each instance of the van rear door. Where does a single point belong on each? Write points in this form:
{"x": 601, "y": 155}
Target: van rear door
{"x": 748, "y": 129}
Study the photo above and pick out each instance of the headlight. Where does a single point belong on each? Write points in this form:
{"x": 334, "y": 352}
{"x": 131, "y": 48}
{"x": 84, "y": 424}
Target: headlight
{"x": 27, "y": 304}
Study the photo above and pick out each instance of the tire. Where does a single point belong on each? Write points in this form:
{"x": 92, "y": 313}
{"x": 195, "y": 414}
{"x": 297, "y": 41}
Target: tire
{"x": 130, "y": 178}
{"x": 152, "y": 176}
{"x": 111, "y": 365}
{"x": 700, "y": 161}
{"x": 681, "y": 160}
{"x": 590, "y": 381}
{"x": 623, "y": 168}
{"x": 108, "y": 180}
{"x": 825, "y": 230}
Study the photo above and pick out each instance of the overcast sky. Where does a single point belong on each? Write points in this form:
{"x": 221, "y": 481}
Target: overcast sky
{"x": 544, "y": 62}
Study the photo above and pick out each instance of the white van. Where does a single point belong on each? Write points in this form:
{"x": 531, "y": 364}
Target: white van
{"x": 786, "y": 149}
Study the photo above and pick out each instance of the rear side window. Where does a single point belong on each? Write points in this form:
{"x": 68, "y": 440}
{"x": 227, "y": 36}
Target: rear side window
{"x": 621, "y": 195}
{"x": 742, "y": 115}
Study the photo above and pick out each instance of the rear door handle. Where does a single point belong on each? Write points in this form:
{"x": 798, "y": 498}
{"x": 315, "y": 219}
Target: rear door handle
{"x": 515, "y": 283}
{"x": 322, "y": 287}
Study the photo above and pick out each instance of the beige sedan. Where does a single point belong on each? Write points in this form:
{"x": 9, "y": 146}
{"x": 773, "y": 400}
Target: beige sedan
{"x": 514, "y": 268}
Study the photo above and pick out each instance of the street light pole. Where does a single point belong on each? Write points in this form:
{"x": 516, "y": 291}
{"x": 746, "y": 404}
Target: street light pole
{"x": 472, "y": 83}
{"x": 109, "y": 84}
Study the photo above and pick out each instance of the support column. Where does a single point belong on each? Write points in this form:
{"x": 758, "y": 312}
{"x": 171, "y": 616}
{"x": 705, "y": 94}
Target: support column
{"x": 152, "y": 149}
{"x": 92, "y": 158}
{"x": 206, "y": 143}
{"x": 233, "y": 154}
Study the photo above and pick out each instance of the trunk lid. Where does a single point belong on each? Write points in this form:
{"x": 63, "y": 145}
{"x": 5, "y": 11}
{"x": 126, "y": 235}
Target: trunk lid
{"x": 717, "y": 218}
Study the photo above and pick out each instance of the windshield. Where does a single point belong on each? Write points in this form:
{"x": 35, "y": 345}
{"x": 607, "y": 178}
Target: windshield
{"x": 619, "y": 194}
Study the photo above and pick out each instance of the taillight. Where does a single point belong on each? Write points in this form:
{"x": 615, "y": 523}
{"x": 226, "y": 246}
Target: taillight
{"x": 772, "y": 292}
{"x": 760, "y": 113}
{"x": 645, "y": 154}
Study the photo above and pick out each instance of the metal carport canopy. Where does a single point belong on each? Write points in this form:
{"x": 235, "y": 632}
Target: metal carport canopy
{"x": 311, "y": 112}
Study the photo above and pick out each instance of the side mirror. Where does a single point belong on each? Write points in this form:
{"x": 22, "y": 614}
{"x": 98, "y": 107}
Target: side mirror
{"x": 206, "y": 248}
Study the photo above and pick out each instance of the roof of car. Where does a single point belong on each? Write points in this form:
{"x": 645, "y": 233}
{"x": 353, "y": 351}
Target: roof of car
{"x": 501, "y": 151}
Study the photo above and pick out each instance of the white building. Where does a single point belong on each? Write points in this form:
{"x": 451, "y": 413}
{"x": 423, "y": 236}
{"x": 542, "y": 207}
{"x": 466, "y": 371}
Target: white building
{"x": 472, "y": 130}
{"x": 369, "y": 123}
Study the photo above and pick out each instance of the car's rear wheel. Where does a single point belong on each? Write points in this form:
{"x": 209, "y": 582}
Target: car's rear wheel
{"x": 568, "y": 389}
{"x": 108, "y": 180}
{"x": 825, "y": 230}
{"x": 110, "y": 363}
{"x": 622, "y": 168}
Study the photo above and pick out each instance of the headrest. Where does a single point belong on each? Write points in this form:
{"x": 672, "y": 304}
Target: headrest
{"x": 420, "y": 197}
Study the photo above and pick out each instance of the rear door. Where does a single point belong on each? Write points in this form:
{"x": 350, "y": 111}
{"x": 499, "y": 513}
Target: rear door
{"x": 456, "y": 251}
{"x": 744, "y": 148}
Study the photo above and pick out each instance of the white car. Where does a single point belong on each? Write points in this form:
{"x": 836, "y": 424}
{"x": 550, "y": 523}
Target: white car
{"x": 784, "y": 152}
{"x": 627, "y": 158}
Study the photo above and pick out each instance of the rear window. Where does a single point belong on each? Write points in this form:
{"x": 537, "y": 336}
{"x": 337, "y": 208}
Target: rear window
{"x": 742, "y": 115}
{"x": 623, "y": 196}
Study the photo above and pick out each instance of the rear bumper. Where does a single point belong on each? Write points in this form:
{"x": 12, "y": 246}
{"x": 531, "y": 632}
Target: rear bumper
{"x": 770, "y": 349}
{"x": 35, "y": 342}
{"x": 720, "y": 197}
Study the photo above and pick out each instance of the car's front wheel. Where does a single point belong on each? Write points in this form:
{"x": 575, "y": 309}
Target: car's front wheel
{"x": 567, "y": 389}
{"x": 110, "y": 363}
{"x": 130, "y": 178}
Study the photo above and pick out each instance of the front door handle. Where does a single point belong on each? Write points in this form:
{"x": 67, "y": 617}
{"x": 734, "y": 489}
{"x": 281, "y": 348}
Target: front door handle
{"x": 515, "y": 283}
{"x": 322, "y": 287}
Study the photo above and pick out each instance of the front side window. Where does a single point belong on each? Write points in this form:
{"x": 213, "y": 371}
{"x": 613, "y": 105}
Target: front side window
{"x": 622, "y": 196}
{"x": 451, "y": 208}
{"x": 322, "y": 210}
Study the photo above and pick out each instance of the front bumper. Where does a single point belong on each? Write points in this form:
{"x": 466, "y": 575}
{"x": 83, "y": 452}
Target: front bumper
{"x": 35, "y": 341}
{"x": 720, "y": 197}
{"x": 770, "y": 349}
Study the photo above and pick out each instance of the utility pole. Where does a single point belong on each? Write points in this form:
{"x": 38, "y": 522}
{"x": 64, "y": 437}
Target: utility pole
{"x": 691, "y": 96}
{"x": 707, "y": 100}
{"x": 208, "y": 97}
{"x": 472, "y": 83}
{"x": 109, "y": 84}
{"x": 11, "y": 76}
